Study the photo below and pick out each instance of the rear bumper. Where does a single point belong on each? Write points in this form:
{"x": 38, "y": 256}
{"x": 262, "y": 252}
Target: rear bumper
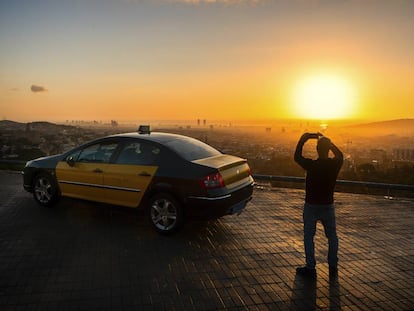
{"x": 214, "y": 207}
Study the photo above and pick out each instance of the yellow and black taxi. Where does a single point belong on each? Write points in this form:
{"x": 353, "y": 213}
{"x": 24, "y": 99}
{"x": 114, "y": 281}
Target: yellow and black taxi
{"x": 172, "y": 176}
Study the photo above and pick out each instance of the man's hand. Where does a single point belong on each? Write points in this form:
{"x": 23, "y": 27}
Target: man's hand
{"x": 307, "y": 136}
{"x": 298, "y": 152}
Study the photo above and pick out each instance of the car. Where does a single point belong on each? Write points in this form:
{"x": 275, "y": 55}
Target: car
{"x": 172, "y": 177}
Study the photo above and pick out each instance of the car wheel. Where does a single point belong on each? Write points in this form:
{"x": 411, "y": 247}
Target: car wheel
{"x": 166, "y": 214}
{"x": 45, "y": 190}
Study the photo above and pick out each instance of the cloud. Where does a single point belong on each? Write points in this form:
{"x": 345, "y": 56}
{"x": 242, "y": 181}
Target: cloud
{"x": 37, "y": 88}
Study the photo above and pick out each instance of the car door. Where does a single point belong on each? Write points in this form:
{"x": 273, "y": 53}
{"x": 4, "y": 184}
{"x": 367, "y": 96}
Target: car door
{"x": 127, "y": 179}
{"x": 80, "y": 175}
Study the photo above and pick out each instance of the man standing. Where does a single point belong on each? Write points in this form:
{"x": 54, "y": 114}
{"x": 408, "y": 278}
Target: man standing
{"x": 321, "y": 175}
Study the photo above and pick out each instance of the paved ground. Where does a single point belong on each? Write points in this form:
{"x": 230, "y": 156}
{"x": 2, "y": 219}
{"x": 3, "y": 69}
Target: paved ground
{"x": 84, "y": 256}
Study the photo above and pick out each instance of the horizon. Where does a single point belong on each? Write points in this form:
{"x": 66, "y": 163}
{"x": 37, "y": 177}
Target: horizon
{"x": 220, "y": 123}
{"x": 207, "y": 59}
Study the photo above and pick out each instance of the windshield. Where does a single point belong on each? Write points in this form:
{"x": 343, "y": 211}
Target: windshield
{"x": 191, "y": 149}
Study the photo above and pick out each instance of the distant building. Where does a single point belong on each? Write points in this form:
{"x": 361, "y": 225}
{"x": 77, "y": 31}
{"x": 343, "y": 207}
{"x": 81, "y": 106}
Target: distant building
{"x": 402, "y": 163}
{"x": 378, "y": 155}
{"x": 403, "y": 154}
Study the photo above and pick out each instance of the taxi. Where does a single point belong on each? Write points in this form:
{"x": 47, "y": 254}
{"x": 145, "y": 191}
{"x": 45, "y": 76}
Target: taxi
{"x": 172, "y": 177}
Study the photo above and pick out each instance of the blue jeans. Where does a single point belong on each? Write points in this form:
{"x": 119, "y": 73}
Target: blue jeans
{"x": 326, "y": 214}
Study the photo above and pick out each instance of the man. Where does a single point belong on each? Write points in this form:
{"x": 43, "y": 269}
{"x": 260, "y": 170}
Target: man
{"x": 321, "y": 175}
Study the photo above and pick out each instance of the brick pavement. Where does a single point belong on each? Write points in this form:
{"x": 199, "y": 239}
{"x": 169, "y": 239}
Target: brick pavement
{"x": 85, "y": 256}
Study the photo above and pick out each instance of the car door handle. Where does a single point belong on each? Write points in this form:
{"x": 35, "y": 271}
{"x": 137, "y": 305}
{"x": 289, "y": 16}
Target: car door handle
{"x": 97, "y": 170}
{"x": 145, "y": 174}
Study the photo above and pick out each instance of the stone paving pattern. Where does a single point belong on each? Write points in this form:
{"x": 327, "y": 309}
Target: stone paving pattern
{"x": 87, "y": 256}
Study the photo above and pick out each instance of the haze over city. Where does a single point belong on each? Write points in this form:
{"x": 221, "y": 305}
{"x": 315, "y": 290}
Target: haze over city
{"x": 219, "y": 60}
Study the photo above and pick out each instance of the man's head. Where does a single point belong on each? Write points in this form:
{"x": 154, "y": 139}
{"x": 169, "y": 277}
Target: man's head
{"x": 323, "y": 146}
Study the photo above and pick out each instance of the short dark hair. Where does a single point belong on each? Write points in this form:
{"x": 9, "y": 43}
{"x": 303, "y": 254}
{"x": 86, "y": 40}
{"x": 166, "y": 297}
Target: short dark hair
{"x": 324, "y": 144}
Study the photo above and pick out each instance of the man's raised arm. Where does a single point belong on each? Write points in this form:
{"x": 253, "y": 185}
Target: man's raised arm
{"x": 337, "y": 153}
{"x": 299, "y": 147}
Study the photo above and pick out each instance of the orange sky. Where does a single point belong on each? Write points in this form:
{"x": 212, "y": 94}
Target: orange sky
{"x": 224, "y": 60}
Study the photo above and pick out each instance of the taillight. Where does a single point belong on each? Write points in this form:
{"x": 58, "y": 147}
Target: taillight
{"x": 212, "y": 181}
{"x": 249, "y": 171}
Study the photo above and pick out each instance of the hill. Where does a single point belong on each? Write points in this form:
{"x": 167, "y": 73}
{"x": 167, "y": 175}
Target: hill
{"x": 400, "y": 127}
{"x": 11, "y": 125}
{"x": 8, "y": 125}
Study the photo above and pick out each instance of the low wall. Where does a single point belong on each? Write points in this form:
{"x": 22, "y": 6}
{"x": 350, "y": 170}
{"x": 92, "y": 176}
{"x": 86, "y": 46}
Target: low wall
{"x": 388, "y": 190}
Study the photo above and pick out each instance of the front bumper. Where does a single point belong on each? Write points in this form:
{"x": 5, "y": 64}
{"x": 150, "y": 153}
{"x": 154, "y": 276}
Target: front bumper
{"x": 214, "y": 207}
{"x": 27, "y": 185}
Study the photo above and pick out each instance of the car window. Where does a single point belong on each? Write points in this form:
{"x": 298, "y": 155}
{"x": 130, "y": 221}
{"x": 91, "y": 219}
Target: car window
{"x": 138, "y": 153}
{"x": 97, "y": 153}
{"x": 192, "y": 149}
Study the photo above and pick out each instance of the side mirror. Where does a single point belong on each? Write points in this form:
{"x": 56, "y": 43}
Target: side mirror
{"x": 70, "y": 161}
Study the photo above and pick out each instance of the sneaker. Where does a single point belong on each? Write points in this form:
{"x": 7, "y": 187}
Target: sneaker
{"x": 305, "y": 271}
{"x": 333, "y": 271}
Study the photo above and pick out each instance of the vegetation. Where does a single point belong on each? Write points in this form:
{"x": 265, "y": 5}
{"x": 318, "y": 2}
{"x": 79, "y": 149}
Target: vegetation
{"x": 369, "y": 158}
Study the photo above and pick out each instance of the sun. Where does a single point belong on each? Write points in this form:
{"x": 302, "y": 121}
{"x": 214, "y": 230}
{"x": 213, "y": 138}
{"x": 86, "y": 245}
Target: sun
{"x": 323, "y": 97}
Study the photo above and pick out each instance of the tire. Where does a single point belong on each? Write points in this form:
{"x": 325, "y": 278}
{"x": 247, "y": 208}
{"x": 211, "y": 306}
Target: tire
{"x": 45, "y": 190}
{"x": 165, "y": 213}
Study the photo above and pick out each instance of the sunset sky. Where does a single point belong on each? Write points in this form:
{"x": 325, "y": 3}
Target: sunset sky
{"x": 219, "y": 60}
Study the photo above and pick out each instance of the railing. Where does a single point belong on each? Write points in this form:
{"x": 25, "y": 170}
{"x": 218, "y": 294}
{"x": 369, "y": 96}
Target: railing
{"x": 301, "y": 180}
{"x": 12, "y": 165}
{"x": 344, "y": 183}
{"x": 13, "y": 162}
{"x": 338, "y": 182}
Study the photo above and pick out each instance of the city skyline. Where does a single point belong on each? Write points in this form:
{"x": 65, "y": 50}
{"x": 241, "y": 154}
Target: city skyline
{"x": 215, "y": 60}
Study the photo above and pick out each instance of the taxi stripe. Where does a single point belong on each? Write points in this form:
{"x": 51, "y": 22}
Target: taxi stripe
{"x": 98, "y": 186}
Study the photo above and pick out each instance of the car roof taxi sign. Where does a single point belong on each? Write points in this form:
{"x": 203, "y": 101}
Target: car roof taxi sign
{"x": 144, "y": 129}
